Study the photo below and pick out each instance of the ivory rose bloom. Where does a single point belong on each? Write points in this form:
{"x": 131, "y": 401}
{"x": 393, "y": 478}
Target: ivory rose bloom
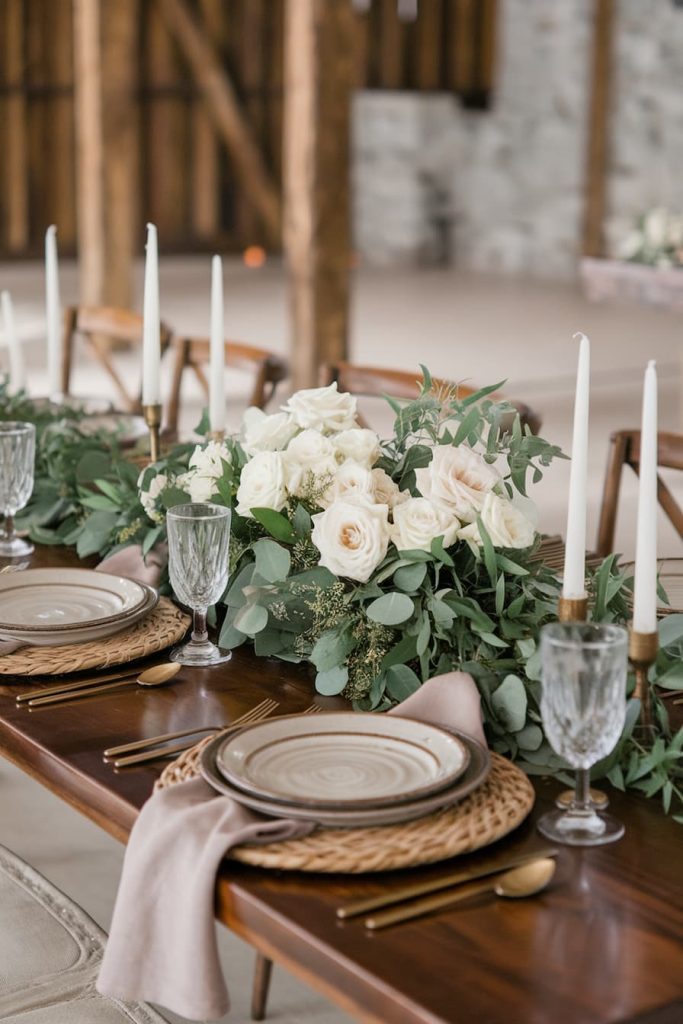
{"x": 264, "y": 433}
{"x": 352, "y": 537}
{"x": 458, "y": 479}
{"x": 309, "y": 458}
{"x": 148, "y": 498}
{"x": 199, "y": 486}
{"x": 262, "y": 484}
{"x": 387, "y": 492}
{"x": 418, "y": 521}
{"x": 353, "y": 479}
{"x": 359, "y": 444}
{"x": 324, "y": 409}
{"x": 208, "y": 459}
{"x": 506, "y": 525}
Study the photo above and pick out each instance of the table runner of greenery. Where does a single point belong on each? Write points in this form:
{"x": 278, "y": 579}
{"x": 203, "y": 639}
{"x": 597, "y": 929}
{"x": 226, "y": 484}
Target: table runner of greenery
{"x": 429, "y": 592}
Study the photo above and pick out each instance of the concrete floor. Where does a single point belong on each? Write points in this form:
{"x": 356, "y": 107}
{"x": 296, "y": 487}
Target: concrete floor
{"x": 463, "y": 327}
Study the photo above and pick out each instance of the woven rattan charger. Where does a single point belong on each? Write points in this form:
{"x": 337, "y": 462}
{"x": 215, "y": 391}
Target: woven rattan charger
{"x": 497, "y": 807}
{"x": 164, "y": 626}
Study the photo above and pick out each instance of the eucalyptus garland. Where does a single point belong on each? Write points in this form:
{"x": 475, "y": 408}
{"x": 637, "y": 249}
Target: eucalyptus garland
{"x": 469, "y": 604}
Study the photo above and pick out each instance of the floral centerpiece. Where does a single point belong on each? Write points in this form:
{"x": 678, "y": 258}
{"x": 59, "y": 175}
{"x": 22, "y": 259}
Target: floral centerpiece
{"x": 379, "y": 562}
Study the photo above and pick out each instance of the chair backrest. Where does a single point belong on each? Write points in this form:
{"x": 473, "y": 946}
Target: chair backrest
{"x": 101, "y": 327}
{"x": 193, "y": 354}
{"x": 374, "y": 382}
{"x": 625, "y": 451}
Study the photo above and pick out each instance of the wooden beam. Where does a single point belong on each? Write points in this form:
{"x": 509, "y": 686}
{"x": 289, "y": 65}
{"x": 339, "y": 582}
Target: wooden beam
{"x": 206, "y": 178}
{"x": 595, "y": 189}
{"x": 16, "y": 144}
{"x": 105, "y": 59}
{"x": 319, "y": 74}
{"x": 227, "y": 114}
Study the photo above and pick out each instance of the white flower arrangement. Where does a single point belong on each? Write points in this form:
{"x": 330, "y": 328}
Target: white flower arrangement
{"x": 657, "y": 240}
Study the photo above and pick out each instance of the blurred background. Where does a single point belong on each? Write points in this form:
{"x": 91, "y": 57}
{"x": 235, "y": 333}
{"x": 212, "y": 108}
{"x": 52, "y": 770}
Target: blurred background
{"x": 452, "y": 182}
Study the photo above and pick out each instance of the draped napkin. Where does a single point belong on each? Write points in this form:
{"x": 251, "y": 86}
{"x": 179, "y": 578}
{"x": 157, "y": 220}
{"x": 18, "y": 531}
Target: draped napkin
{"x": 162, "y": 946}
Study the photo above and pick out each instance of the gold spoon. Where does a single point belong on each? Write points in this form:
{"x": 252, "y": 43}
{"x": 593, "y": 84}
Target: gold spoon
{"x": 522, "y": 881}
{"x": 156, "y": 676}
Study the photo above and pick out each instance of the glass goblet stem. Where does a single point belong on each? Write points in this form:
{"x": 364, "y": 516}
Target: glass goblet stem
{"x": 582, "y": 800}
{"x": 200, "y": 634}
{"x": 8, "y": 526}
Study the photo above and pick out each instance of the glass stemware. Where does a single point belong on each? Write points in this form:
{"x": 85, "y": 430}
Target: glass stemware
{"x": 198, "y": 549}
{"x": 583, "y": 705}
{"x": 17, "y": 454}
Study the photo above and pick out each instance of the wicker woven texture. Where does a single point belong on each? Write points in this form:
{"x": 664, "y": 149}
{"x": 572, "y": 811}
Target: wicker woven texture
{"x": 500, "y": 804}
{"x": 164, "y": 626}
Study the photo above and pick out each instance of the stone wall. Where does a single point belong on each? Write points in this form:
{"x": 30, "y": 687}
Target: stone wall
{"x": 503, "y": 190}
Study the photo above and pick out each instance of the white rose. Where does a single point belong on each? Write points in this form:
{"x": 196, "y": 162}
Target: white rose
{"x": 506, "y": 525}
{"x": 418, "y": 521}
{"x": 353, "y": 479}
{"x": 352, "y": 537}
{"x": 208, "y": 459}
{"x": 323, "y": 409}
{"x": 359, "y": 444}
{"x": 262, "y": 484}
{"x": 148, "y": 497}
{"x": 309, "y": 463}
{"x": 199, "y": 486}
{"x": 264, "y": 433}
{"x": 387, "y": 492}
{"x": 457, "y": 478}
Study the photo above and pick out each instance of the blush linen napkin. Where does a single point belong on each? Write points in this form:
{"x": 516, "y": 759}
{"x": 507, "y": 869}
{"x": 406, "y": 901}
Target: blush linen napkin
{"x": 162, "y": 945}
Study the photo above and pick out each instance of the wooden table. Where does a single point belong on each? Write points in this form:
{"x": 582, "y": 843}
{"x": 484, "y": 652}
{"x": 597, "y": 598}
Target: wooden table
{"x": 603, "y": 944}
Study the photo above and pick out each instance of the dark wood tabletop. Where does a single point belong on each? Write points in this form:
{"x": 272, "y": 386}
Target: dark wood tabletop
{"x": 603, "y": 944}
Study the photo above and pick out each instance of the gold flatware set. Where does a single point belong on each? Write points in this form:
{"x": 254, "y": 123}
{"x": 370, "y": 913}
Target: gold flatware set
{"x": 515, "y": 877}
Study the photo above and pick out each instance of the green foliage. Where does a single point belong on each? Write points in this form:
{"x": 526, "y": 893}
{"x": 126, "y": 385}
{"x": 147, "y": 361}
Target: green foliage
{"x": 422, "y": 613}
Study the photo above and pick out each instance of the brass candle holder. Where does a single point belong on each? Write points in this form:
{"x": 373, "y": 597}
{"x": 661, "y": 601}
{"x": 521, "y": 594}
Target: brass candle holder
{"x": 642, "y": 653}
{"x": 572, "y": 609}
{"x": 152, "y": 414}
{"x": 216, "y": 435}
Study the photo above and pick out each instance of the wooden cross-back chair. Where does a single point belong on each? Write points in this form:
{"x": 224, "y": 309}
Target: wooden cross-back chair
{"x": 99, "y": 326}
{"x": 374, "y": 382}
{"x": 193, "y": 354}
{"x": 625, "y": 451}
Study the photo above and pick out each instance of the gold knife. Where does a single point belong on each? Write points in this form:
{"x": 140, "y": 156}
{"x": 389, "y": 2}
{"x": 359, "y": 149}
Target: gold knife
{"x": 79, "y": 684}
{"x": 408, "y": 892}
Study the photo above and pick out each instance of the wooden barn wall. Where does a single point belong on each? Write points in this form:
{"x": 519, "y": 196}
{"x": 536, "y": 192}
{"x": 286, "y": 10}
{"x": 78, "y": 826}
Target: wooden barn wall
{"x": 186, "y": 185}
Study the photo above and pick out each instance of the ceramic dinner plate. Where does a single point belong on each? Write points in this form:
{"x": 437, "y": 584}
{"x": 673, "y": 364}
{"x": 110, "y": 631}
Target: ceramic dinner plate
{"x": 343, "y": 760}
{"x": 355, "y": 817}
{"x": 60, "y": 606}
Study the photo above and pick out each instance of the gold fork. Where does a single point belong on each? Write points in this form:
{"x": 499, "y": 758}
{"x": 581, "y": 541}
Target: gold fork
{"x": 256, "y": 714}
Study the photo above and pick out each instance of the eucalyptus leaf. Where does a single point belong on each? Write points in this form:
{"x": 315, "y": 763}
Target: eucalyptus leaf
{"x": 332, "y": 681}
{"x": 272, "y": 560}
{"x": 251, "y": 619}
{"x": 401, "y": 681}
{"x": 509, "y": 703}
{"x": 391, "y": 609}
{"x": 410, "y": 577}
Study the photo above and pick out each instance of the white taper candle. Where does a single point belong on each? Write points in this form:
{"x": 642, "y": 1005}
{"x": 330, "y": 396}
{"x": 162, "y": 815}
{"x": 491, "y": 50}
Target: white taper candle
{"x": 574, "y": 582}
{"x": 151, "y": 332}
{"x": 645, "y": 583}
{"x": 53, "y": 314}
{"x": 217, "y": 349}
{"x": 17, "y": 370}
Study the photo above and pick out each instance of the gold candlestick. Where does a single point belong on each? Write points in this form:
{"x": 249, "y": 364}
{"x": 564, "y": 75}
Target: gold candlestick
{"x": 216, "y": 435}
{"x": 572, "y": 609}
{"x": 152, "y": 414}
{"x": 642, "y": 653}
